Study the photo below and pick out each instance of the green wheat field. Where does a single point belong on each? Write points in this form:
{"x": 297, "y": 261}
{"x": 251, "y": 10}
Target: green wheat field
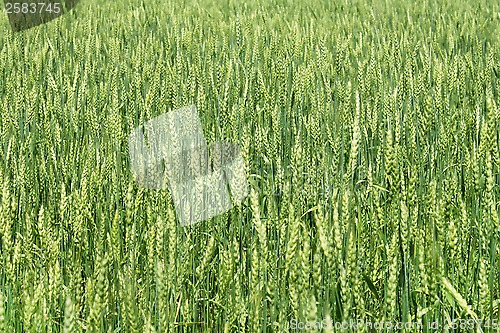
{"x": 370, "y": 132}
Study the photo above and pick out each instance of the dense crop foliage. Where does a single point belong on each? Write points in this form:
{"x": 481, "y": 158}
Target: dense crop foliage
{"x": 370, "y": 131}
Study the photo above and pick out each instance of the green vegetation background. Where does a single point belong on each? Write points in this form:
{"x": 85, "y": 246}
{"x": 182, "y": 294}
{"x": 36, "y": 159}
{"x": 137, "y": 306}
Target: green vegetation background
{"x": 371, "y": 135}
